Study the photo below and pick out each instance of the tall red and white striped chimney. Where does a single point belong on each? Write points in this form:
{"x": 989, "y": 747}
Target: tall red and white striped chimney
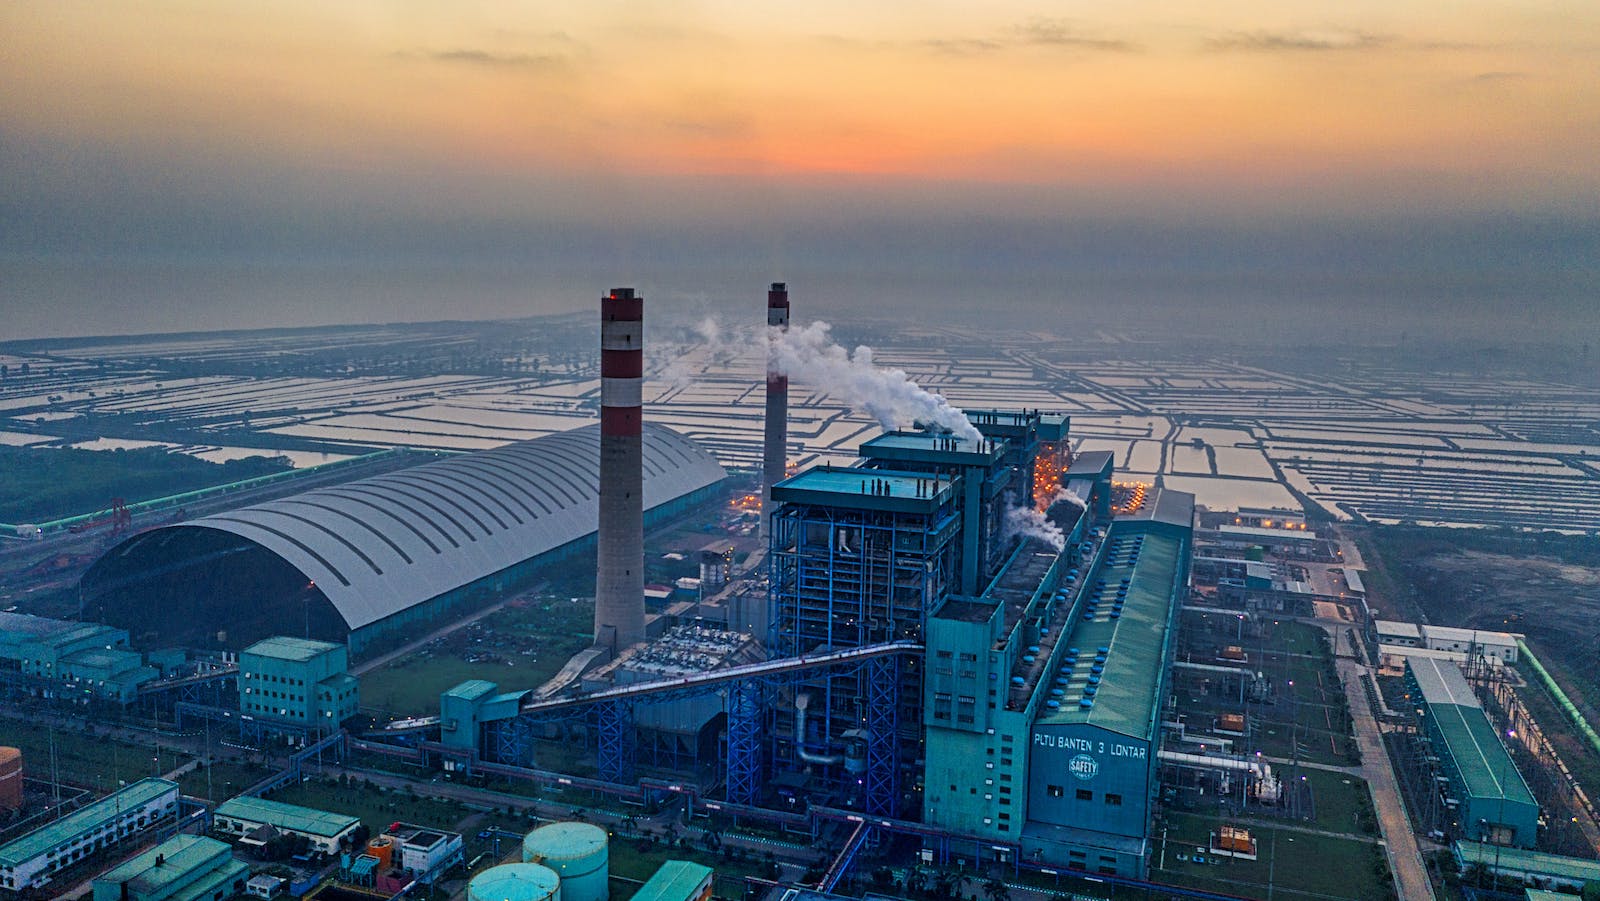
{"x": 775, "y": 449}
{"x": 619, "y": 588}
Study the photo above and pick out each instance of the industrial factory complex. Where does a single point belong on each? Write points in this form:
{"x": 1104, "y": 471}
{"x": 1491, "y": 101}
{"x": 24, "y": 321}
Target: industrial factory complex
{"x": 963, "y": 643}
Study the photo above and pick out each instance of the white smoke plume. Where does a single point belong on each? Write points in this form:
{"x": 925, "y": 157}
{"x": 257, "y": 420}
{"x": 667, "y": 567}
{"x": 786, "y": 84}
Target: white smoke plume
{"x": 1071, "y": 497}
{"x": 1030, "y": 523}
{"x": 811, "y": 355}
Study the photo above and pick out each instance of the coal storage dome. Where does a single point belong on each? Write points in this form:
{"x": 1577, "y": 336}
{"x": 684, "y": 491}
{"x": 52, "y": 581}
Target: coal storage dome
{"x": 337, "y": 560}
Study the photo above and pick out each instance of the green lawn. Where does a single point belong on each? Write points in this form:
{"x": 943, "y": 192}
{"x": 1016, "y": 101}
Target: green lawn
{"x": 636, "y": 859}
{"x": 552, "y": 629}
{"x": 225, "y": 780}
{"x": 375, "y": 807}
{"x": 98, "y": 763}
{"x": 1299, "y": 865}
{"x": 1343, "y": 803}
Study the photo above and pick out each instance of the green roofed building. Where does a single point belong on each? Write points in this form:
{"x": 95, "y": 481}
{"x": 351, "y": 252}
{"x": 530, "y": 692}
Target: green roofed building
{"x": 298, "y": 683}
{"x": 241, "y": 817}
{"x": 1529, "y": 868}
{"x": 1044, "y": 694}
{"x": 32, "y": 860}
{"x": 72, "y": 660}
{"x": 677, "y": 880}
{"x": 1484, "y": 795}
{"x": 182, "y": 868}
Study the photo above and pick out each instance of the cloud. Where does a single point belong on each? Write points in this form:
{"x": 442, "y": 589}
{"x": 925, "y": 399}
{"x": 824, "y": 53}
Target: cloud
{"x": 477, "y": 57}
{"x": 1050, "y": 33}
{"x": 1060, "y": 33}
{"x": 1315, "y": 40}
{"x": 1487, "y": 77}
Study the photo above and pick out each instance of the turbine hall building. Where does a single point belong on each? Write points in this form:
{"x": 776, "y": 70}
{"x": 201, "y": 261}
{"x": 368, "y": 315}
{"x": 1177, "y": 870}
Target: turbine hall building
{"x": 366, "y": 561}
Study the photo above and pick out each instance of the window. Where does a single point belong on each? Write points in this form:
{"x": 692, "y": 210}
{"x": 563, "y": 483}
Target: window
{"x": 1055, "y": 791}
{"x": 943, "y": 655}
{"x": 1113, "y": 800}
{"x": 1085, "y": 795}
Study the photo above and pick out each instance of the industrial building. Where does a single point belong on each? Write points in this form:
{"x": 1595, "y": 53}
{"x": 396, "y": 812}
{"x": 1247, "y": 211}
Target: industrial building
{"x": 182, "y": 868}
{"x": 33, "y": 860}
{"x": 1529, "y": 868}
{"x": 365, "y": 561}
{"x": 425, "y": 854}
{"x": 297, "y": 684}
{"x": 677, "y": 880}
{"x": 1461, "y": 644}
{"x": 70, "y": 660}
{"x": 240, "y": 818}
{"x": 1484, "y": 796}
{"x": 1054, "y": 678}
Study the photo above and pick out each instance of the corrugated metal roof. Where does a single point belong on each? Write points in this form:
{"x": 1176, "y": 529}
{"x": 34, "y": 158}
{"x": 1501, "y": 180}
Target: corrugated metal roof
{"x": 676, "y": 880}
{"x": 379, "y": 545}
{"x": 1126, "y": 699}
{"x": 287, "y": 817}
{"x": 1471, "y": 742}
{"x": 284, "y": 647}
{"x": 85, "y": 819}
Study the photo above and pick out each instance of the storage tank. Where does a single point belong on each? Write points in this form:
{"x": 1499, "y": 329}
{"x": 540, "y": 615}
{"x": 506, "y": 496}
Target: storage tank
{"x": 382, "y": 848}
{"x": 577, "y": 851}
{"x": 10, "y": 779}
{"x": 515, "y": 882}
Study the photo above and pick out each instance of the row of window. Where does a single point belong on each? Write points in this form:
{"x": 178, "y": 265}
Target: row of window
{"x": 1083, "y": 794}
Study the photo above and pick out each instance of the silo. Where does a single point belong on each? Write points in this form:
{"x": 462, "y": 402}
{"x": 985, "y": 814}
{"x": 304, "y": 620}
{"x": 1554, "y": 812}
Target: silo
{"x": 515, "y": 882}
{"x": 578, "y": 852}
{"x": 10, "y": 779}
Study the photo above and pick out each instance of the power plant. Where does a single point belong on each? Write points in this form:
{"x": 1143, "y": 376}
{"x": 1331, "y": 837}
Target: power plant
{"x": 961, "y": 640}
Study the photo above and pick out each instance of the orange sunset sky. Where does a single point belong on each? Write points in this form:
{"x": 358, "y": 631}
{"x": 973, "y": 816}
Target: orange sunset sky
{"x": 133, "y": 128}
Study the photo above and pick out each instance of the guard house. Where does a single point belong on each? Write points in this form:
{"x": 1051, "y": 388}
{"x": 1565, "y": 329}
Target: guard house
{"x": 297, "y": 685}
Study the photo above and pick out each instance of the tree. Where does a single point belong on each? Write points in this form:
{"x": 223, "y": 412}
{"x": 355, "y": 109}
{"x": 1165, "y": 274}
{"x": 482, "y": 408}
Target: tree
{"x": 996, "y": 890}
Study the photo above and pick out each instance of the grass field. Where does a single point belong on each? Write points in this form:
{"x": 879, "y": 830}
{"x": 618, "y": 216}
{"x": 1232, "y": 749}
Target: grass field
{"x": 375, "y": 807}
{"x": 517, "y": 648}
{"x": 98, "y": 763}
{"x": 634, "y": 860}
{"x": 225, "y": 779}
{"x": 1299, "y": 866}
{"x": 1343, "y": 803}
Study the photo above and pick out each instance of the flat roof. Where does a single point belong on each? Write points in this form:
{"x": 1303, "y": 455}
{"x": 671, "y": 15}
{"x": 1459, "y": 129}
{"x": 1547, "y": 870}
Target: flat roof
{"x": 84, "y": 819}
{"x": 932, "y": 448}
{"x": 472, "y": 690}
{"x": 871, "y": 489}
{"x": 298, "y": 650}
{"x": 966, "y": 611}
{"x": 179, "y": 855}
{"x": 675, "y": 880}
{"x": 1090, "y": 463}
{"x": 1168, "y": 506}
{"x": 1481, "y": 636}
{"x": 1273, "y": 534}
{"x": 1397, "y": 628}
{"x": 287, "y": 817}
{"x": 1577, "y": 869}
{"x": 1441, "y": 682}
{"x": 1126, "y": 701}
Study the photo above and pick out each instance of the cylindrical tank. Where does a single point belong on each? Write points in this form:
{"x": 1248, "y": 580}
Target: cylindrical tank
{"x": 578, "y": 852}
{"x": 382, "y": 848}
{"x": 515, "y": 882}
{"x": 10, "y": 779}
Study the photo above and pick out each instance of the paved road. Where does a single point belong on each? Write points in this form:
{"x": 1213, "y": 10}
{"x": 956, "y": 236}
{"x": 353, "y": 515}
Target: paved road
{"x": 1405, "y": 857}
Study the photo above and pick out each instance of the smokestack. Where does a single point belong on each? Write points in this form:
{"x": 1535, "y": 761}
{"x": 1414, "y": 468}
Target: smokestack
{"x": 619, "y": 589}
{"x": 775, "y": 451}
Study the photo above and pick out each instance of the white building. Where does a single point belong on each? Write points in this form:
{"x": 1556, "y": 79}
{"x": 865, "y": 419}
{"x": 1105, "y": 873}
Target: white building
{"x": 327, "y": 832}
{"x": 426, "y": 853}
{"x": 1497, "y": 647}
{"x": 30, "y": 861}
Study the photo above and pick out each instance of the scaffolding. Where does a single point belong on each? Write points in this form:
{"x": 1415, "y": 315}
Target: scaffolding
{"x": 845, "y": 576}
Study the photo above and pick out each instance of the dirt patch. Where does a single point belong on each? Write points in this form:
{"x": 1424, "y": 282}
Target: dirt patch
{"x": 1555, "y": 603}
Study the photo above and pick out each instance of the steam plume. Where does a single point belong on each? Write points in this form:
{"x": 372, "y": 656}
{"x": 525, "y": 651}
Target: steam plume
{"x": 810, "y": 355}
{"x": 1030, "y": 523}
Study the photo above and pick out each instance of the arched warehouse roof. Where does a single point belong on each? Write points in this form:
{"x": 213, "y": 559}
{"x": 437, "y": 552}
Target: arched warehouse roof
{"x": 378, "y": 546}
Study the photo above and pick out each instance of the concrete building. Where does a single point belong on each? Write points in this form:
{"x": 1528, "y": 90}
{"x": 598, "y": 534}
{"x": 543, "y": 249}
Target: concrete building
{"x": 1054, "y": 679}
{"x": 298, "y": 683}
{"x": 33, "y": 860}
{"x": 1485, "y": 796}
{"x": 1529, "y": 868}
{"x": 365, "y": 563}
{"x": 677, "y": 880}
{"x": 71, "y": 660}
{"x": 182, "y": 868}
{"x": 425, "y": 854}
{"x": 1494, "y": 647}
{"x": 327, "y": 832}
